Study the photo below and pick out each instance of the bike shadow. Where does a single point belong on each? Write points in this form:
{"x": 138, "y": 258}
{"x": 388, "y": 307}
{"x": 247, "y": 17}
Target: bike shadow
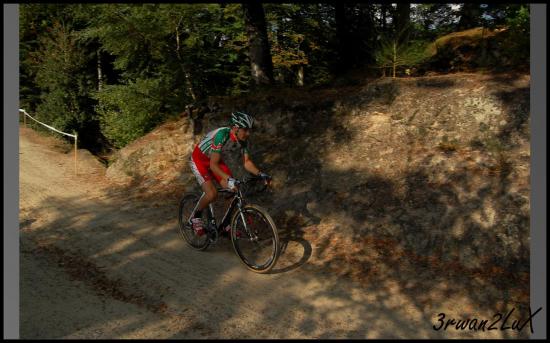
{"x": 293, "y": 219}
{"x": 295, "y": 250}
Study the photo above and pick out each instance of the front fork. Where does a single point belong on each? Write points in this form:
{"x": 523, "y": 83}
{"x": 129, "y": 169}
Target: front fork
{"x": 253, "y": 237}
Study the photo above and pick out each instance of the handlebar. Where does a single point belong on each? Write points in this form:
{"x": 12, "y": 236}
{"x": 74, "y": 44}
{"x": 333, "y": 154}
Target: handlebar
{"x": 246, "y": 181}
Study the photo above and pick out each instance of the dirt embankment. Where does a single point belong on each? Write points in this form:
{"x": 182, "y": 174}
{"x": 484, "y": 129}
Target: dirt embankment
{"x": 396, "y": 200}
{"x": 427, "y": 174}
{"x": 435, "y": 166}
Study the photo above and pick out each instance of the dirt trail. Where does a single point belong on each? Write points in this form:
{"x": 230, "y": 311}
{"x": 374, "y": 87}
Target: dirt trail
{"x": 96, "y": 265}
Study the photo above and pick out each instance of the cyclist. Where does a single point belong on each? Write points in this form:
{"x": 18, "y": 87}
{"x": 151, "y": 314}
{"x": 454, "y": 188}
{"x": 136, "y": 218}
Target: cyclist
{"x": 207, "y": 164}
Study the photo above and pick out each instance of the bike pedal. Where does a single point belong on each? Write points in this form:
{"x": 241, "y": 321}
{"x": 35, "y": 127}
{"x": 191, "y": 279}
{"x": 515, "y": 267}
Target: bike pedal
{"x": 213, "y": 237}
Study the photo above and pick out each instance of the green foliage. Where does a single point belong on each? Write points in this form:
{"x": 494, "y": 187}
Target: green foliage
{"x": 286, "y": 43}
{"x": 131, "y": 33}
{"x": 231, "y": 72}
{"x": 35, "y": 20}
{"x": 154, "y": 59}
{"x": 298, "y": 35}
{"x": 433, "y": 20}
{"x": 129, "y": 111}
{"x": 65, "y": 83}
{"x": 519, "y": 20}
{"x": 518, "y": 42}
{"x": 395, "y": 54}
{"x": 202, "y": 43}
{"x": 186, "y": 51}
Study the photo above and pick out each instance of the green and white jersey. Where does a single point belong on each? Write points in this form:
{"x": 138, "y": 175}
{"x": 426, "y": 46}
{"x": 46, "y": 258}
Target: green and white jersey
{"x": 221, "y": 140}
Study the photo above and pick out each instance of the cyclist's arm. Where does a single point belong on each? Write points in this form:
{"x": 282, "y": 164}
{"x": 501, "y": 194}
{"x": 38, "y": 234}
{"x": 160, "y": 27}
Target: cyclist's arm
{"x": 247, "y": 162}
{"x": 249, "y": 165}
{"x": 215, "y": 159}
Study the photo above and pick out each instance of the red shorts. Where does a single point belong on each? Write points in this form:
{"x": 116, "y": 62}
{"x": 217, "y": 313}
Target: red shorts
{"x": 200, "y": 165}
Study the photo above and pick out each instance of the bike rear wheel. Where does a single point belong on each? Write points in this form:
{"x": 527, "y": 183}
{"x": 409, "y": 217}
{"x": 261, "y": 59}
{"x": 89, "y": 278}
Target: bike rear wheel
{"x": 186, "y": 206}
{"x": 255, "y": 239}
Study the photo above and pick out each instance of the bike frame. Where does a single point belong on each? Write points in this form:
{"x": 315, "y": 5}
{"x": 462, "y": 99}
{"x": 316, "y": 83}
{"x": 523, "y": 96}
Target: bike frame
{"x": 236, "y": 202}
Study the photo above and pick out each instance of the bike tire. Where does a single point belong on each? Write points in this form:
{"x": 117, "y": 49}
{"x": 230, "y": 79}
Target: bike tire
{"x": 186, "y": 205}
{"x": 272, "y": 229}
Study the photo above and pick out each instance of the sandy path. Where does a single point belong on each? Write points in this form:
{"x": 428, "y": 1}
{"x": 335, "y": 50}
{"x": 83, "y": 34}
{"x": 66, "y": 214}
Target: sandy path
{"x": 94, "y": 265}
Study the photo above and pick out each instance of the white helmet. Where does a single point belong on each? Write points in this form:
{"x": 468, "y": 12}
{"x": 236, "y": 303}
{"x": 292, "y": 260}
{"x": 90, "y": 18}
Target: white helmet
{"x": 242, "y": 119}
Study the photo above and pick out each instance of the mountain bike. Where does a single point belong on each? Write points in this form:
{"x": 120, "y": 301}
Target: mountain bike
{"x": 251, "y": 229}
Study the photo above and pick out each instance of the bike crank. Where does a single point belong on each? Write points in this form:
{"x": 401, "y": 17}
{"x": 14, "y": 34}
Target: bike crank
{"x": 212, "y": 234}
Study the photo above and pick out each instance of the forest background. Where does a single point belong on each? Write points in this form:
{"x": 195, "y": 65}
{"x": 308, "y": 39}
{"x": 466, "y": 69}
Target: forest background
{"x": 113, "y": 72}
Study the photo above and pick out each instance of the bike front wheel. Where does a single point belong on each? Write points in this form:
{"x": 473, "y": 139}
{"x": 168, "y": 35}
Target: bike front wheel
{"x": 255, "y": 238}
{"x": 186, "y": 206}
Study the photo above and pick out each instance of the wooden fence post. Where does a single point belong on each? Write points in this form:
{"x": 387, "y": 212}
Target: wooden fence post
{"x": 75, "y": 149}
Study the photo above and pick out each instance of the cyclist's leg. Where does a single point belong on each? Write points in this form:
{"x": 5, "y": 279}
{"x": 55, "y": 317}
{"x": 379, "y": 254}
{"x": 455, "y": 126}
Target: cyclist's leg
{"x": 224, "y": 184}
{"x": 205, "y": 179}
{"x": 210, "y": 194}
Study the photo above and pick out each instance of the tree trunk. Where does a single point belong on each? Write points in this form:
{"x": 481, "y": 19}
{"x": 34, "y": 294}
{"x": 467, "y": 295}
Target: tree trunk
{"x": 394, "y": 57}
{"x": 188, "y": 83}
{"x": 402, "y": 21}
{"x": 99, "y": 72}
{"x": 365, "y": 38}
{"x": 301, "y": 75}
{"x": 342, "y": 35}
{"x": 384, "y": 10}
{"x": 280, "y": 78}
{"x": 483, "y": 48}
{"x": 259, "y": 52}
{"x": 183, "y": 68}
{"x": 470, "y": 15}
